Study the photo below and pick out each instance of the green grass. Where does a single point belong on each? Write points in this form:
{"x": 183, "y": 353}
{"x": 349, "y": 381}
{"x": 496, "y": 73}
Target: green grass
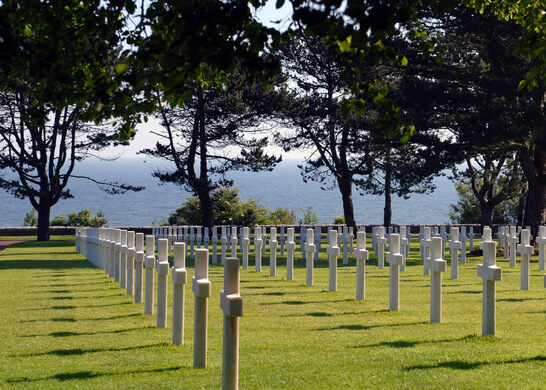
{"x": 31, "y": 238}
{"x": 65, "y": 324}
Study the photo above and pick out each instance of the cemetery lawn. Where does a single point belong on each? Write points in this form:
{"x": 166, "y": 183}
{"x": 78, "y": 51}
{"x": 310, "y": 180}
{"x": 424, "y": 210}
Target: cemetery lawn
{"x": 66, "y": 324}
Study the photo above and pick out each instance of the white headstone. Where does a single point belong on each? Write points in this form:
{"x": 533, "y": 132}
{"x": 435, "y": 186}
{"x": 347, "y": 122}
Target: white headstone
{"x": 290, "y": 249}
{"x": 245, "y": 244}
{"x": 179, "y": 283}
{"x": 149, "y": 264}
{"x": 381, "y": 240}
{"x": 454, "y": 245}
{"x": 310, "y": 258}
{"x": 273, "y": 243}
{"x": 162, "y": 274}
{"x": 139, "y": 264}
{"x": 201, "y": 291}
{"x": 436, "y": 265}
{"x": 258, "y": 242}
{"x": 541, "y": 241}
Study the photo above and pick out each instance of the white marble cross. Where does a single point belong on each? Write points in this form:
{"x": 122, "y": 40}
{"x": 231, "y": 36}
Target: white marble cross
{"x": 361, "y": 255}
{"x": 436, "y": 265}
{"x": 231, "y": 304}
{"x": 201, "y": 291}
{"x": 463, "y": 239}
{"x": 206, "y": 238}
{"x": 443, "y": 234}
{"x": 130, "y": 263}
{"x": 245, "y": 245}
{"x": 117, "y": 255}
{"x": 139, "y": 264}
{"x": 290, "y": 249}
{"x": 541, "y": 241}
{"x": 273, "y": 244}
{"x": 351, "y": 239}
{"x": 427, "y": 244}
{"x": 471, "y": 236}
{"x": 345, "y": 241}
{"x": 395, "y": 259}
{"x": 179, "y": 283}
{"x": 149, "y": 264}
{"x": 454, "y": 246}
{"x": 223, "y": 242}
{"x": 123, "y": 260}
{"x": 513, "y": 240}
{"x": 490, "y": 273}
{"x": 162, "y": 274}
{"x": 526, "y": 251}
{"x": 310, "y": 249}
{"x": 214, "y": 245}
{"x": 234, "y": 241}
{"x": 333, "y": 253}
{"x": 318, "y": 239}
{"x": 403, "y": 247}
{"x": 505, "y": 244}
{"x": 303, "y": 240}
{"x": 282, "y": 239}
{"x": 192, "y": 241}
{"x": 486, "y": 236}
{"x": 380, "y": 242}
{"x": 258, "y": 242}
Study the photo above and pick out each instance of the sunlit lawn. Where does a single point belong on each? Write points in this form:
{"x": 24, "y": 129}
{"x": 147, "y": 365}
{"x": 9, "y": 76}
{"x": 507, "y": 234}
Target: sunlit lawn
{"x": 66, "y": 324}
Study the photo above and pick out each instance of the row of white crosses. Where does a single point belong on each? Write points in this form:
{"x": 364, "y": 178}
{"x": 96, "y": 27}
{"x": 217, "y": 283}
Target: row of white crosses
{"x": 110, "y": 248}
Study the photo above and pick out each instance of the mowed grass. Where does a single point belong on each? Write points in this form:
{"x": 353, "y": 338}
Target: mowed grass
{"x": 66, "y": 324}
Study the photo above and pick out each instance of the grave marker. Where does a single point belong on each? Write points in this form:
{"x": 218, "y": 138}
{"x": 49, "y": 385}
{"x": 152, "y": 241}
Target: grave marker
{"x": 526, "y": 251}
{"x": 290, "y": 249}
{"x": 436, "y": 265}
{"x": 403, "y": 247}
{"x": 258, "y": 242}
{"x": 471, "y": 236}
{"x": 130, "y": 263}
{"x": 162, "y": 274}
{"x": 139, "y": 263}
{"x": 232, "y": 306}
{"x": 541, "y": 241}
{"x": 201, "y": 291}
{"x": 273, "y": 252}
{"x": 333, "y": 253}
{"x": 463, "y": 239}
{"x": 361, "y": 255}
{"x": 149, "y": 264}
{"x": 223, "y": 241}
{"x": 490, "y": 273}
{"x": 179, "y": 283}
{"x": 117, "y": 255}
{"x": 427, "y": 244}
{"x": 345, "y": 241}
{"x": 513, "y": 240}
{"x": 310, "y": 258}
{"x": 214, "y": 245}
{"x": 234, "y": 241}
{"x": 245, "y": 244}
{"x": 123, "y": 260}
{"x": 381, "y": 241}
{"x": 394, "y": 258}
{"x": 454, "y": 245}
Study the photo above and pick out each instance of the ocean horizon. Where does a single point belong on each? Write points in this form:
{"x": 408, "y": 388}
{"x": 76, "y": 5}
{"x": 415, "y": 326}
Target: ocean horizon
{"x": 283, "y": 187}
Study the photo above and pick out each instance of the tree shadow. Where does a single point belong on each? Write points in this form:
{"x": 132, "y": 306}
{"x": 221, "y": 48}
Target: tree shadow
{"x": 79, "y": 351}
{"x": 464, "y": 292}
{"x": 462, "y": 365}
{"x": 298, "y": 302}
{"x": 83, "y": 375}
{"x": 325, "y": 314}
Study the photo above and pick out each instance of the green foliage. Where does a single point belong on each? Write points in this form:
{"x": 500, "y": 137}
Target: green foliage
{"x": 309, "y": 216}
{"x": 340, "y": 220}
{"x": 83, "y": 218}
{"x": 229, "y": 209}
{"x": 31, "y": 219}
{"x": 468, "y": 210}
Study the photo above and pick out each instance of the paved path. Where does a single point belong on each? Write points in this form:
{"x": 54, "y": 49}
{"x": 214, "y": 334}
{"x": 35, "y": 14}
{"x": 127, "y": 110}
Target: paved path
{"x": 5, "y": 244}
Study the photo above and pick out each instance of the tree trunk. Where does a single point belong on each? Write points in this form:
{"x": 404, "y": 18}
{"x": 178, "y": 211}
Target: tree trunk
{"x": 346, "y": 189}
{"x": 387, "y": 211}
{"x": 487, "y": 214}
{"x": 44, "y": 212}
{"x": 533, "y": 164}
{"x": 206, "y": 209}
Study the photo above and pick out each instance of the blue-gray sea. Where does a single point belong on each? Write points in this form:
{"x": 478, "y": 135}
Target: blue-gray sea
{"x": 283, "y": 187}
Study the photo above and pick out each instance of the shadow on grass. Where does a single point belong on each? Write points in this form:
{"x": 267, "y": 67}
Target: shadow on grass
{"x": 464, "y": 292}
{"x": 70, "y": 334}
{"x": 410, "y": 344}
{"x": 462, "y": 365}
{"x": 519, "y": 299}
{"x": 60, "y": 319}
{"x": 69, "y": 307}
{"x": 324, "y": 314}
{"x": 367, "y": 327}
{"x": 45, "y": 264}
{"x": 83, "y": 375}
{"x": 304, "y": 302}
{"x": 79, "y": 351}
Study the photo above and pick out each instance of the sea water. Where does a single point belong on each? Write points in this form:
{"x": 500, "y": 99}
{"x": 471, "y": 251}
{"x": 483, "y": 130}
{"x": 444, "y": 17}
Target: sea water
{"x": 283, "y": 187}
